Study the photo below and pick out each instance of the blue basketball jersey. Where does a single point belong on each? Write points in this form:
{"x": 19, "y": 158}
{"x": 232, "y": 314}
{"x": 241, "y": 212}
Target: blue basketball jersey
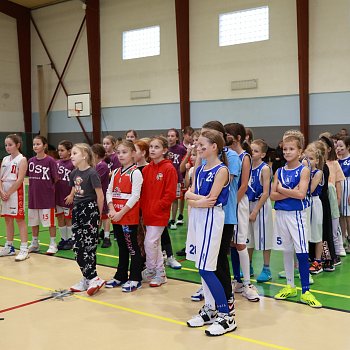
{"x": 255, "y": 187}
{"x": 345, "y": 166}
{"x": 241, "y": 157}
{"x": 319, "y": 187}
{"x": 204, "y": 183}
{"x": 290, "y": 178}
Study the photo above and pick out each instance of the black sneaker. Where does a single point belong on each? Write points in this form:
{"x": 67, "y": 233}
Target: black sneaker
{"x": 61, "y": 244}
{"x": 180, "y": 220}
{"x": 68, "y": 245}
{"x": 328, "y": 266}
{"x": 106, "y": 242}
{"x": 337, "y": 261}
{"x": 181, "y": 252}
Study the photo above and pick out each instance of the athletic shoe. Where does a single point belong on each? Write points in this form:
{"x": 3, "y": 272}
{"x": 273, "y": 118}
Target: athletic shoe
{"x": 22, "y": 255}
{"x": 231, "y": 306}
{"x": 7, "y": 250}
{"x": 181, "y": 252}
{"x": 113, "y": 283}
{"x": 315, "y": 268}
{"x": 328, "y": 266}
{"x": 172, "y": 225}
{"x": 131, "y": 286}
{"x": 61, "y": 244}
{"x": 198, "y": 296}
{"x": 250, "y": 292}
{"x": 282, "y": 274}
{"x": 52, "y": 249}
{"x": 95, "y": 285}
{"x": 309, "y": 299}
{"x": 337, "y": 261}
{"x": 287, "y": 292}
{"x": 81, "y": 286}
{"x": 205, "y": 316}
{"x": 265, "y": 275}
{"x": 180, "y": 220}
{"x": 33, "y": 248}
{"x": 237, "y": 286}
{"x": 68, "y": 244}
{"x": 106, "y": 242}
{"x": 341, "y": 252}
{"x": 224, "y": 323}
{"x": 158, "y": 279}
{"x": 147, "y": 275}
{"x": 173, "y": 263}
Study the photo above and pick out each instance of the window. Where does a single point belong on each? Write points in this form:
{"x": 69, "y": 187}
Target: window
{"x": 143, "y": 42}
{"x": 244, "y": 26}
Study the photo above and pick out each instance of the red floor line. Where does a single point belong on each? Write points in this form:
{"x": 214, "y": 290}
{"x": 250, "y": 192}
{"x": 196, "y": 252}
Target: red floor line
{"x": 25, "y": 304}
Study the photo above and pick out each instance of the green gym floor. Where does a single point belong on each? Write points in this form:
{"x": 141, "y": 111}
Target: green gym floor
{"x": 332, "y": 289}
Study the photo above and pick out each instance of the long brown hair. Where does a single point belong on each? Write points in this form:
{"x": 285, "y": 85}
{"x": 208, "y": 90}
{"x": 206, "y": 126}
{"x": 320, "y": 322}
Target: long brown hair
{"x": 216, "y": 137}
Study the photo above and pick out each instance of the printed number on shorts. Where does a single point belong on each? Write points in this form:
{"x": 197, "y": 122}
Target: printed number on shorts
{"x": 279, "y": 240}
{"x": 192, "y": 249}
{"x": 45, "y": 216}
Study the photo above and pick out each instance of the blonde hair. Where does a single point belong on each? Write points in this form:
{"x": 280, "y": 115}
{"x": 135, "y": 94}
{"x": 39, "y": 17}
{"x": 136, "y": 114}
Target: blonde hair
{"x": 86, "y": 150}
{"x": 262, "y": 144}
{"x": 299, "y": 140}
{"x": 297, "y": 134}
{"x": 314, "y": 149}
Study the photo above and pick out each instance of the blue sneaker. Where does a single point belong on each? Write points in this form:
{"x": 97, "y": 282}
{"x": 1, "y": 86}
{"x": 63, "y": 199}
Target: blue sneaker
{"x": 113, "y": 283}
{"x": 264, "y": 276}
{"x": 131, "y": 286}
{"x": 7, "y": 250}
{"x": 251, "y": 272}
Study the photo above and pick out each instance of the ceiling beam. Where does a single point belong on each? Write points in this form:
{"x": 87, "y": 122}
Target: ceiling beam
{"x": 183, "y": 58}
{"x": 303, "y": 61}
{"x": 11, "y": 9}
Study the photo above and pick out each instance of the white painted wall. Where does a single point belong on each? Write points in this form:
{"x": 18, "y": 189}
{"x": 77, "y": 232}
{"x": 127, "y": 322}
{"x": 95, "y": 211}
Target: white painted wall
{"x": 11, "y": 112}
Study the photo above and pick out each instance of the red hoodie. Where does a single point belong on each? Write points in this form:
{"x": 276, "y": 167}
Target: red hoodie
{"x": 158, "y": 192}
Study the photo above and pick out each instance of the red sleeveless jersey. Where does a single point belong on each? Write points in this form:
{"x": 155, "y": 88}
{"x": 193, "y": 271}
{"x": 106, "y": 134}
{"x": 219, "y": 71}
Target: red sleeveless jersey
{"x": 122, "y": 187}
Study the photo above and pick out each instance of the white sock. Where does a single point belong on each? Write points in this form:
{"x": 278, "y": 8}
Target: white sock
{"x": 52, "y": 240}
{"x": 107, "y": 233}
{"x": 245, "y": 265}
{"x": 24, "y": 245}
{"x": 288, "y": 259}
{"x": 63, "y": 231}
{"x": 208, "y": 297}
{"x": 9, "y": 243}
{"x": 69, "y": 232}
{"x": 35, "y": 240}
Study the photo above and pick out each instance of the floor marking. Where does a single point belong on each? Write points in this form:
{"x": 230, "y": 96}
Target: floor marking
{"x": 253, "y": 280}
{"x": 25, "y": 304}
{"x": 146, "y": 314}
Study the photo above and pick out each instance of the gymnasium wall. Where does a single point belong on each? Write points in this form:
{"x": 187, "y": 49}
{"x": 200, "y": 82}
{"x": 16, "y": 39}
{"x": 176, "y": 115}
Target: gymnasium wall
{"x": 269, "y": 109}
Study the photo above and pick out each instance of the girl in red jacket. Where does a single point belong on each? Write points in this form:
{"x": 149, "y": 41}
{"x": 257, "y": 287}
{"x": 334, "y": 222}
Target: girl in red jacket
{"x": 158, "y": 193}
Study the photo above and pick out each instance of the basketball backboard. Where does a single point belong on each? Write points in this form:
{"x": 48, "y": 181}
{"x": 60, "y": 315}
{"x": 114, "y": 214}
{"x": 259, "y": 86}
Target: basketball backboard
{"x": 78, "y": 105}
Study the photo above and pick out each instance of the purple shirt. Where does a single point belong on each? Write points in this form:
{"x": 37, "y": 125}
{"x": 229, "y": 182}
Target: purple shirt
{"x": 42, "y": 175}
{"x": 175, "y": 154}
{"x": 62, "y": 185}
{"x": 113, "y": 162}
{"x": 103, "y": 171}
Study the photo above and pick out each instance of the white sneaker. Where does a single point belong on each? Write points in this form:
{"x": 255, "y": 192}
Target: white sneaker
{"x": 158, "y": 279}
{"x": 251, "y": 293}
{"x": 173, "y": 263}
{"x": 95, "y": 285}
{"x": 224, "y": 323}
{"x": 237, "y": 287}
{"x": 22, "y": 255}
{"x": 205, "y": 316}
{"x": 199, "y": 295}
{"x": 33, "y": 248}
{"x": 341, "y": 252}
{"x": 81, "y": 286}
{"x": 7, "y": 250}
{"x": 52, "y": 249}
{"x": 147, "y": 275}
{"x": 173, "y": 226}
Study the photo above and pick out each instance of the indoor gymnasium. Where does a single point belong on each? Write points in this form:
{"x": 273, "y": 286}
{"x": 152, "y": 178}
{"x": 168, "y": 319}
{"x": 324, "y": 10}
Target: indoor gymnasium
{"x": 174, "y": 173}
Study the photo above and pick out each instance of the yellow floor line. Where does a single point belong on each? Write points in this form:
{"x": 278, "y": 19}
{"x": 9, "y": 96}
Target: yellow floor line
{"x": 146, "y": 314}
{"x": 253, "y": 280}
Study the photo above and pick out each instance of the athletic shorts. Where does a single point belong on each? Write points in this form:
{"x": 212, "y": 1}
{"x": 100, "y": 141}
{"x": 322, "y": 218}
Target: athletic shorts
{"x": 260, "y": 231}
{"x": 14, "y": 206}
{"x": 290, "y": 232}
{"x": 344, "y": 203}
{"x": 67, "y": 212}
{"x": 316, "y": 220}
{"x": 241, "y": 234}
{"x": 205, "y": 227}
{"x": 180, "y": 193}
{"x": 45, "y": 217}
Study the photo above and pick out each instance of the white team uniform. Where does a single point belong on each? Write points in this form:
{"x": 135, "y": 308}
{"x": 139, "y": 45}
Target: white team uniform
{"x": 345, "y": 186}
{"x": 316, "y": 212}
{"x": 15, "y": 205}
{"x": 291, "y": 227}
{"x": 205, "y": 225}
